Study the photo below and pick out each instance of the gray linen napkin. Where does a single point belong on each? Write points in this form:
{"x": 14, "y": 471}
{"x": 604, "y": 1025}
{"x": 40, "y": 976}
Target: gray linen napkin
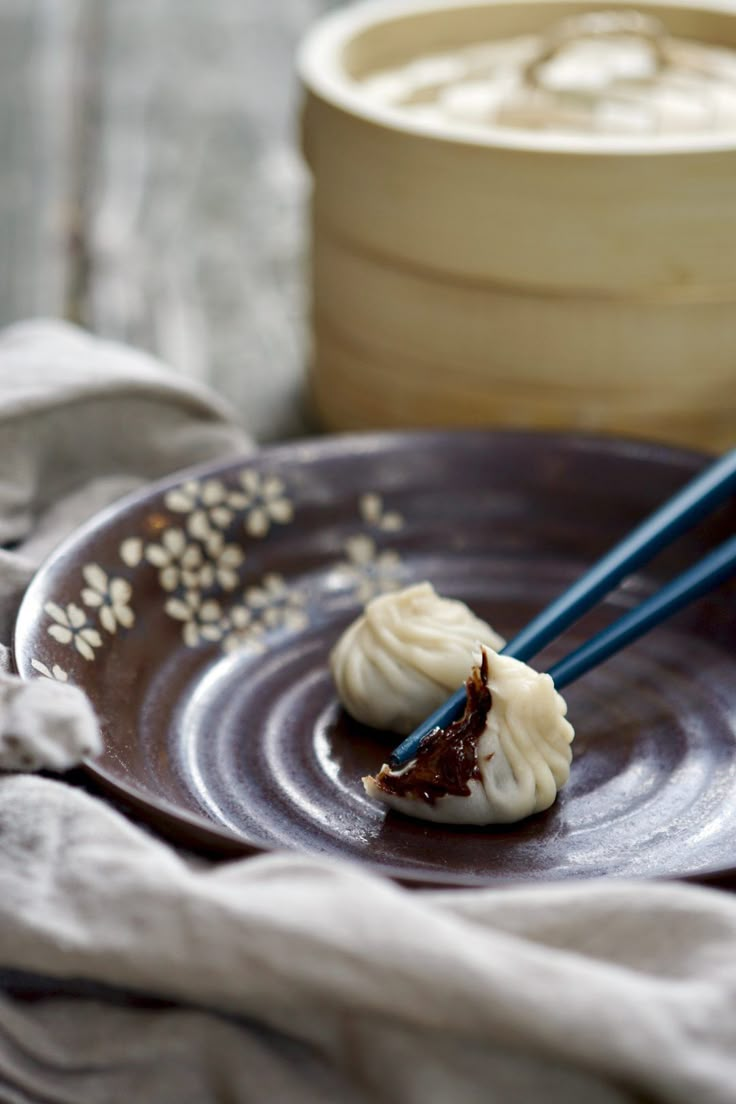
{"x": 82, "y": 422}
{"x": 284, "y": 977}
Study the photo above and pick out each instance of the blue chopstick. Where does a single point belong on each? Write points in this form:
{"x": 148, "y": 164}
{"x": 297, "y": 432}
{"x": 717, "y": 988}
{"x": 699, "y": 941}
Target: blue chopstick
{"x": 715, "y": 568}
{"x": 684, "y": 509}
{"x": 688, "y": 506}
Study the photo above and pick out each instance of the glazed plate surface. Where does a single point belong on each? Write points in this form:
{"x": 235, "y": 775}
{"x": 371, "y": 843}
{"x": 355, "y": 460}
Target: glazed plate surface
{"x": 199, "y": 615}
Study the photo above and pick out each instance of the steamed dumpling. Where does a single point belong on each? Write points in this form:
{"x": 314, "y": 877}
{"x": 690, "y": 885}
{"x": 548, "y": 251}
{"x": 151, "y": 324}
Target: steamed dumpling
{"x": 505, "y": 759}
{"x": 405, "y": 655}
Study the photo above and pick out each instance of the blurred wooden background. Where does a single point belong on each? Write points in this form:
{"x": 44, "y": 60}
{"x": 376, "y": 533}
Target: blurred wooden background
{"x": 151, "y": 186}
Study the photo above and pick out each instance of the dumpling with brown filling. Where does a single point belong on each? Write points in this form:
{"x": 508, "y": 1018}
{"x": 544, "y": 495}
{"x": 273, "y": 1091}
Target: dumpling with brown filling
{"x": 503, "y": 760}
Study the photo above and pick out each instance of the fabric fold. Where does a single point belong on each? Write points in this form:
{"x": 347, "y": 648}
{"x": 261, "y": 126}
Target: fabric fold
{"x": 304, "y": 946}
{"x": 82, "y": 423}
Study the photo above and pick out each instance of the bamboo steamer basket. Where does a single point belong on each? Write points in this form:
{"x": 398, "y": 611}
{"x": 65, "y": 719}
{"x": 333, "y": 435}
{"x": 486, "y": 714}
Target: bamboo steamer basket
{"x": 513, "y": 277}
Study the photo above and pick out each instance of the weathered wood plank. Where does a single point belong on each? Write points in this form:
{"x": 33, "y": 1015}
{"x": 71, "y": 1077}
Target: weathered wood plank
{"x": 194, "y": 195}
{"x": 37, "y": 138}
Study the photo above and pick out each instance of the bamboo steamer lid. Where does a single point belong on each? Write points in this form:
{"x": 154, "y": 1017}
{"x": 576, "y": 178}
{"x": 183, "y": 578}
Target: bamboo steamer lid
{"x": 510, "y": 276}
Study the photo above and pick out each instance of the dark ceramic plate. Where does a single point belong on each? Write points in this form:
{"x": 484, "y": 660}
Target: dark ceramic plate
{"x": 199, "y": 615}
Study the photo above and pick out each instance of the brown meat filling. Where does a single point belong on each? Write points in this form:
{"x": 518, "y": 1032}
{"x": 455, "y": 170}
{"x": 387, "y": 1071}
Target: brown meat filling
{"x": 447, "y": 758}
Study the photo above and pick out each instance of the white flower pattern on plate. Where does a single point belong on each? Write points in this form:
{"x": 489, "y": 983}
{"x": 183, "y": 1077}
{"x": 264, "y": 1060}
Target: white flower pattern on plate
{"x": 226, "y": 560}
{"x": 372, "y": 571}
{"x": 277, "y": 605}
{"x": 208, "y": 504}
{"x": 373, "y": 513}
{"x": 264, "y": 502}
{"x": 201, "y": 620}
{"x": 72, "y": 626}
{"x": 57, "y": 673}
{"x": 168, "y": 555}
{"x": 240, "y": 630}
{"x": 131, "y": 551}
{"x": 197, "y": 568}
{"x": 184, "y": 564}
{"x": 110, "y": 597}
{"x": 265, "y": 608}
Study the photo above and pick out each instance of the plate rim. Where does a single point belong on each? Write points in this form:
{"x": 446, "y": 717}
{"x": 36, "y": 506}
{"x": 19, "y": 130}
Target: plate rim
{"x": 195, "y": 832}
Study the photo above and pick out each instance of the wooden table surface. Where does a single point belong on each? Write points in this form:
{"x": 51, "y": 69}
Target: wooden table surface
{"x": 151, "y": 185}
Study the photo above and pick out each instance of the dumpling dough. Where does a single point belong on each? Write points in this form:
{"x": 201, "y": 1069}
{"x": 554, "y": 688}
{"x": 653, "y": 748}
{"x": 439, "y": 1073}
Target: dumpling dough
{"x": 407, "y": 653}
{"x": 522, "y": 752}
